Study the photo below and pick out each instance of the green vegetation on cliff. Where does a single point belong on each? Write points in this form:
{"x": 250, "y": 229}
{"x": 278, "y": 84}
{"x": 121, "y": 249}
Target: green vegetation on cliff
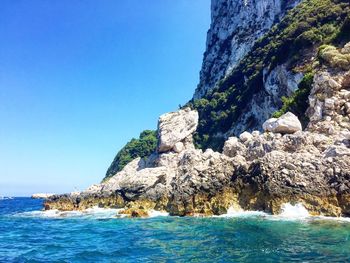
{"x": 298, "y": 102}
{"x": 294, "y": 41}
{"x": 141, "y": 147}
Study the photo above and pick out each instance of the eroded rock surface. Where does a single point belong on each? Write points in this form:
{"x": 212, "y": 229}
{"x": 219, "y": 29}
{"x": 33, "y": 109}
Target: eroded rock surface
{"x": 257, "y": 171}
{"x": 235, "y": 27}
{"x": 175, "y": 127}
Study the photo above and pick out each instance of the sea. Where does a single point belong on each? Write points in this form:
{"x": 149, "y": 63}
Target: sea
{"x": 28, "y": 234}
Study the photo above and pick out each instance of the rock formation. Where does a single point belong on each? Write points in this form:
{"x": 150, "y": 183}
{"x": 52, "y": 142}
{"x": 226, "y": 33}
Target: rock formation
{"x": 175, "y": 130}
{"x": 256, "y": 171}
{"x": 235, "y": 26}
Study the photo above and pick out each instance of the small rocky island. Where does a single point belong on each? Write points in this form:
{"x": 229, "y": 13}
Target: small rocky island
{"x": 256, "y": 171}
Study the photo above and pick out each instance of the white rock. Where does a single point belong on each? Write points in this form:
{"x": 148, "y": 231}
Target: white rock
{"x": 334, "y": 84}
{"x": 42, "y": 196}
{"x": 269, "y": 124}
{"x": 256, "y": 133}
{"x": 346, "y": 49}
{"x": 174, "y": 127}
{"x": 286, "y": 124}
{"x": 329, "y": 103}
{"x": 178, "y": 147}
{"x": 94, "y": 188}
{"x": 245, "y": 136}
{"x": 233, "y": 147}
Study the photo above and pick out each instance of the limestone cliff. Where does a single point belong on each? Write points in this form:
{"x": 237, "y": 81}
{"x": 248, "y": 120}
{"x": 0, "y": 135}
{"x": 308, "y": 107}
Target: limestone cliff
{"x": 257, "y": 171}
{"x": 258, "y": 52}
{"x": 279, "y": 162}
{"x": 235, "y": 26}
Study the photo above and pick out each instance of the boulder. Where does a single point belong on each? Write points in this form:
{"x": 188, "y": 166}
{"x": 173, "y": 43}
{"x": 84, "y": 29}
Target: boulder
{"x": 175, "y": 127}
{"x": 286, "y": 124}
{"x": 245, "y": 136}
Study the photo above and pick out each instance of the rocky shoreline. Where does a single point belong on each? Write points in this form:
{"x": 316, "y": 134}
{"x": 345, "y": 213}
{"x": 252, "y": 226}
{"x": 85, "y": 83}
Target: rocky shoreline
{"x": 255, "y": 171}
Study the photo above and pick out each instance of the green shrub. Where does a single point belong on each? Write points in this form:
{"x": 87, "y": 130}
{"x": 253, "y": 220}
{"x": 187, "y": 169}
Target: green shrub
{"x": 331, "y": 55}
{"x": 297, "y": 103}
{"x": 141, "y": 147}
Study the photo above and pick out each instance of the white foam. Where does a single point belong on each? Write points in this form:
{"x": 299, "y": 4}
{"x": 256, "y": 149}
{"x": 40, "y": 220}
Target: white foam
{"x": 340, "y": 219}
{"x": 237, "y": 212}
{"x": 5, "y": 198}
{"x": 297, "y": 211}
{"x": 155, "y": 213}
{"x": 289, "y": 212}
{"x": 95, "y": 212}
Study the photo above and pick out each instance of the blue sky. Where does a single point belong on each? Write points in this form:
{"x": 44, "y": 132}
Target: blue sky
{"x": 78, "y": 79}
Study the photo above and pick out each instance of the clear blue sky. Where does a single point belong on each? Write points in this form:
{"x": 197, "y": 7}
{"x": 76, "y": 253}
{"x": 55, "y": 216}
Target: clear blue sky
{"x": 78, "y": 79}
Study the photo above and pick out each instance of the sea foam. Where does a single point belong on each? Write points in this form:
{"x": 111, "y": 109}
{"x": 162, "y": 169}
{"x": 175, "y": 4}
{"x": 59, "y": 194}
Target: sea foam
{"x": 237, "y": 212}
{"x": 94, "y": 213}
{"x": 289, "y": 212}
{"x": 294, "y": 211}
{"x": 155, "y": 213}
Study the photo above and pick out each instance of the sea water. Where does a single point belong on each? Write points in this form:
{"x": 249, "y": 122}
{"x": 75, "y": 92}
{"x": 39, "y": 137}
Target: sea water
{"x": 28, "y": 234}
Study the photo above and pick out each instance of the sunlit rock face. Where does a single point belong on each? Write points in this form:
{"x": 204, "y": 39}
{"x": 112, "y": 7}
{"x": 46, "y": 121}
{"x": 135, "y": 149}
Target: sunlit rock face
{"x": 235, "y": 26}
{"x": 175, "y": 129}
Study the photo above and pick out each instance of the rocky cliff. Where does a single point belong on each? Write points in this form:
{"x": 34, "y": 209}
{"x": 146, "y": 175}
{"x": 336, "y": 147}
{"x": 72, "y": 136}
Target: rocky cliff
{"x": 235, "y": 27}
{"x": 257, "y": 53}
{"x": 265, "y": 162}
{"x": 256, "y": 171}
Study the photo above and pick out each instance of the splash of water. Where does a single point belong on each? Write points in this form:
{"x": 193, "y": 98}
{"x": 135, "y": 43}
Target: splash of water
{"x": 95, "y": 213}
{"x": 155, "y": 213}
{"x": 238, "y": 212}
{"x": 294, "y": 211}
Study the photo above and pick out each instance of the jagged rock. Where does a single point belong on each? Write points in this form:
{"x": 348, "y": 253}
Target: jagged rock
{"x": 337, "y": 150}
{"x": 175, "y": 127}
{"x": 245, "y": 136}
{"x": 287, "y": 123}
{"x": 233, "y": 147}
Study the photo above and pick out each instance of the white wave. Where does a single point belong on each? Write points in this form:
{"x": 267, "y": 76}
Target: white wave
{"x": 95, "y": 212}
{"x": 5, "y": 198}
{"x": 330, "y": 218}
{"x": 155, "y": 213}
{"x": 289, "y": 212}
{"x": 237, "y": 212}
{"x": 297, "y": 211}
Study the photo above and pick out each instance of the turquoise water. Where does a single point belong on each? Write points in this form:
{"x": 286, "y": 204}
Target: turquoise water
{"x": 27, "y": 236}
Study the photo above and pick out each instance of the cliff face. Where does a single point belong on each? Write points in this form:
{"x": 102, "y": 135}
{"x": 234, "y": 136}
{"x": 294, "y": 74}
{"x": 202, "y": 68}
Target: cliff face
{"x": 235, "y": 26}
{"x": 259, "y": 170}
{"x": 258, "y": 52}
